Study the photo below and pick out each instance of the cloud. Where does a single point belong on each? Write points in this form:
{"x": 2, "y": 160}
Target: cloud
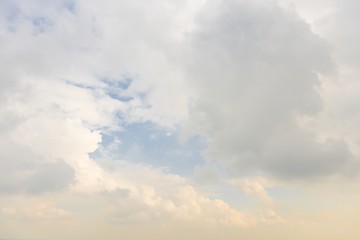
{"x": 154, "y": 195}
{"x": 48, "y": 135}
{"x": 339, "y": 92}
{"x": 255, "y": 68}
{"x": 255, "y": 188}
{"x": 250, "y": 76}
{"x": 23, "y": 171}
{"x": 338, "y": 27}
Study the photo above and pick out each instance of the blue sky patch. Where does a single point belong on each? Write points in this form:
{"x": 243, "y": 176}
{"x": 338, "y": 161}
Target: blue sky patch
{"x": 146, "y": 143}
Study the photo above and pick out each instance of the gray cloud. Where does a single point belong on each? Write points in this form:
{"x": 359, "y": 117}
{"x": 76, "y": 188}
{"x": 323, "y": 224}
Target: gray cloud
{"x": 255, "y": 68}
{"x": 23, "y": 171}
{"x": 340, "y": 28}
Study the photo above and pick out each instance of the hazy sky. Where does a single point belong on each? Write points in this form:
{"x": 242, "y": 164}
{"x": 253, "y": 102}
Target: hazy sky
{"x": 180, "y": 119}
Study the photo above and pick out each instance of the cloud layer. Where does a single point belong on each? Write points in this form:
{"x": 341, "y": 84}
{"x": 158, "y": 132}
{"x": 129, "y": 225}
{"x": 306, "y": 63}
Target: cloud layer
{"x": 271, "y": 91}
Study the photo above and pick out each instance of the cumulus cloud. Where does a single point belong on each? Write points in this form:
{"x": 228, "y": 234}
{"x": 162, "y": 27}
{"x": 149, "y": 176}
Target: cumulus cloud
{"x": 140, "y": 193}
{"x": 24, "y": 171}
{"x": 255, "y": 188}
{"x": 63, "y": 100}
{"x": 247, "y": 75}
{"x": 339, "y": 93}
{"x": 255, "y": 68}
{"x": 46, "y": 134}
{"x": 54, "y": 102}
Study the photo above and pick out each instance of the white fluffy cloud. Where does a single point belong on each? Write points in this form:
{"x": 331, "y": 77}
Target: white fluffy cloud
{"x": 66, "y": 61}
{"x": 150, "y": 194}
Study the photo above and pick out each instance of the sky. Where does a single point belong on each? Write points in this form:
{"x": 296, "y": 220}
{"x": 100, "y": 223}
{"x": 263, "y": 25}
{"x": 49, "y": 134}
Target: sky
{"x": 179, "y": 119}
